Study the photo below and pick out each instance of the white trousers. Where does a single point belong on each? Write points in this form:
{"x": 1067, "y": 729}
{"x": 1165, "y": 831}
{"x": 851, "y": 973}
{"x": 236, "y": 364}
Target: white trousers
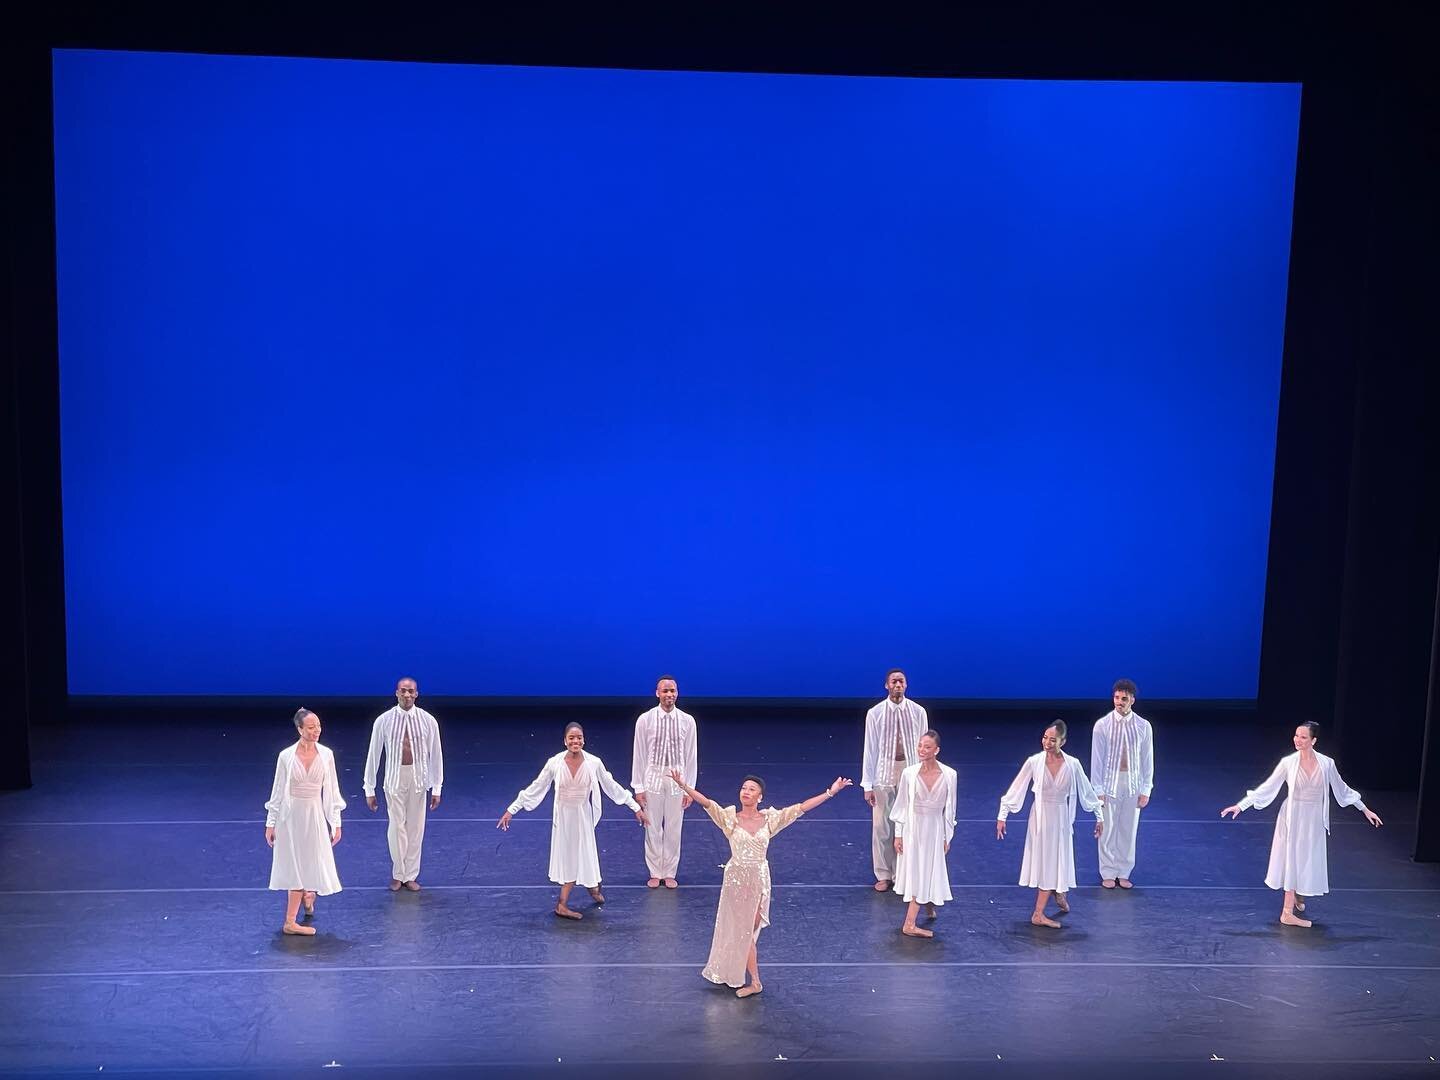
{"x": 662, "y": 835}
{"x": 882, "y": 834}
{"x": 406, "y": 810}
{"x": 1117, "y": 839}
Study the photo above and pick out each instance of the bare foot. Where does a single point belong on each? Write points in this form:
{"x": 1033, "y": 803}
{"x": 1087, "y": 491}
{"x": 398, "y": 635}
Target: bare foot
{"x": 1125, "y": 883}
{"x": 671, "y": 883}
{"x": 309, "y": 903}
{"x": 597, "y": 895}
{"x": 1289, "y": 918}
{"x": 910, "y": 930}
{"x": 749, "y": 991}
{"x": 1039, "y": 919}
{"x": 881, "y": 886}
{"x": 1062, "y": 903}
{"x": 1299, "y": 905}
{"x": 565, "y": 913}
{"x": 296, "y": 928}
{"x": 653, "y": 883}
{"x": 413, "y": 886}
{"x": 930, "y": 911}
{"x": 394, "y": 884}
{"x": 1107, "y": 883}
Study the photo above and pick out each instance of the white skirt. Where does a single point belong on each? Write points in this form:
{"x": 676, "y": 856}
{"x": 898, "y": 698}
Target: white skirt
{"x": 1049, "y": 861}
{"x": 303, "y": 857}
{"x": 1298, "y": 859}
{"x": 921, "y": 874}
{"x": 573, "y": 856}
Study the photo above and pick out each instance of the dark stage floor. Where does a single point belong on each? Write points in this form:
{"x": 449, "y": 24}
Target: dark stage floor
{"x": 139, "y": 937}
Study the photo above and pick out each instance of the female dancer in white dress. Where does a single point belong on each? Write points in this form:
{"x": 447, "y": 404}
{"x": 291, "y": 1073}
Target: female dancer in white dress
{"x": 578, "y": 778}
{"x": 745, "y": 894}
{"x": 1059, "y": 783}
{"x": 924, "y": 816}
{"x": 1297, "y": 852}
{"x": 302, "y": 822}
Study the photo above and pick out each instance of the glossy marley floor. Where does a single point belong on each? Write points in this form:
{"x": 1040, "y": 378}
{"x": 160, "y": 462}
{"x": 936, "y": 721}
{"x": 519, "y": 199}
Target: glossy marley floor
{"x": 139, "y": 937}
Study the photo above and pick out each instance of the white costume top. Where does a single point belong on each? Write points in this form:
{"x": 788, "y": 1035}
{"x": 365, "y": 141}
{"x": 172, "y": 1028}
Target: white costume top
{"x": 573, "y": 854}
{"x": 1285, "y": 773}
{"x": 663, "y": 741}
{"x": 280, "y": 805}
{"x": 1049, "y": 861}
{"x": 925, "y": 822}
{"x": 886, "y": 723}
{"x": 1131, "y": 739}
{"x": 388, "y": 735}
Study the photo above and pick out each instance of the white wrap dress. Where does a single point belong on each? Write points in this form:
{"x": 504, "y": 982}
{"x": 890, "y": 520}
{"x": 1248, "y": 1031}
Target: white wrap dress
{"x": 304, "y": 810}
{"x": 925, "y": 823}
{"x": 1049, "y": 861}
{"x": 573, "y": 855}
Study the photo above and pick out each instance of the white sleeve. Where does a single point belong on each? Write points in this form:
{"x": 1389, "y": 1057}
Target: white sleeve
{"x": 437, "y": 760}
{"x": 1014, "y": 799}
{"x": 531, "y": 797}
{"x": 899, "y": 809}
{"x": 1147, "y": 760}
{"x": 1099, "y": 751}
{"x": 867, "y": 762}
{"x": 692, "y": 748}
{"x": 330, "y": 796}
{"x": 952, "y": 780}
{"x": 641, "y": 757}
{"x": 617, "y": 793}
{"x": 372, "y": 759}
{"x": 1265, "y": 794}
{"x": 1086, "y": 793}
{"x": 277, "y": 793}
{"x": 1345, "y": 795}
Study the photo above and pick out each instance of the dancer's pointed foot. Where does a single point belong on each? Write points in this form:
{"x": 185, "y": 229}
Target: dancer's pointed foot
{"x": 930, "y": 911}
{"x": 911, "y": 930}
{"x": 1039, "y": 919}
{"x": 1289, "y": 918}
{"x": 296, "y": 928}
{"x": 653, "y": 883}
{"x": 1299, "y": 905}
{"x": 309, "y": 903}
{"x": 749, "y": 991}
{"x": 597, "y": 895}
{"x": 1062, "y": 903}
{"x": 563, "y": 912}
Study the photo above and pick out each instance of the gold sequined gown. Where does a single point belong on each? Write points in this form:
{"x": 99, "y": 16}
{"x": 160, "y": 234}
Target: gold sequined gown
{"x": 745, "y": 895}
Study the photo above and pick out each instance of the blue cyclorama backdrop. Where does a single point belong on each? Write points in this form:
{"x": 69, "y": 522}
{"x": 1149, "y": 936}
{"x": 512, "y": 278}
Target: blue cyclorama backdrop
{"x": 535, "y": 381}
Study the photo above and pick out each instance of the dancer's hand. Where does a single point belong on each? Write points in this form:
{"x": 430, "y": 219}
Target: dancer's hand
{"x": 999, "y": 829}
{"x": 1099, "y": 828}
{"x": 870, "y": 799}
{"x": 899, "y": 845}
{"x": 335, "y": 838}
{"x": 1230, "y": 811}
{"x": 640, "y": 797}
{"x": 947, "y": 847}
{"x": 1143, "y": 801}
{"x": 434, "y": 802}
{"x": 1373, "y": 818}
{"x": 372, "y": 802}
{"x": 270, "y": 835}
{"x": 504, "y": 822}
{"x": 840, "y": 784}
{"x": 641, "y": 818}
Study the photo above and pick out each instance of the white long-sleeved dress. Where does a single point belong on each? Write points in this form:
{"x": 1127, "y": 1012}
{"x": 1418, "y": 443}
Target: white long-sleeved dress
{"x": 925, "y": 822}
{"x": 573, "y": 855}
{"x": 1049, "y": 861}
{"x": 304, "y": 810}
{"x": 1298, "y": 856}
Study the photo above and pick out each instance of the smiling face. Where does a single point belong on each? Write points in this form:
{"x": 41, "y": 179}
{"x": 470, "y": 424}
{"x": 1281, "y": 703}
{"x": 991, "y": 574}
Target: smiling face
{"x": 406, "y": 692}
{"x": 750, "y": 795}
{"x": 1304, "y": 739}
{"x": 310, "y": 729}
{"x": 1052, "y": 740}
{"x": 575, "y": 739}
{"x": 667, "y": 692}
{"x": 1124, "y": 700}
{"x": 927, "y": 748}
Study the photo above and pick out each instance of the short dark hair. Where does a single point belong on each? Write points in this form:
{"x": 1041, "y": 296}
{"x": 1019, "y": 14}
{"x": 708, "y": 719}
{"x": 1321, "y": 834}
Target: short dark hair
{"x": 662, "y": 678}
{"x": 756, "y": 779}
{"x": 575, "y": 724}
{"x": 299, "y": 718}
{"x": 408, "y": 678}
{"x": 1312, "y": 725}
{"x": 932, "y": 735}
{"x": 1128, "y": 685}
{"x": 896, "y": 671}
{"x": 1058, "y": 725}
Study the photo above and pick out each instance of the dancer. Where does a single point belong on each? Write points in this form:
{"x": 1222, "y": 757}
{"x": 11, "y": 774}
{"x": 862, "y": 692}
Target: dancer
{"x": 745, "y": 894}
{"x": 1122, "y": 768}
{"x": 1059, "y": 782}
{"x": 664, "y": 740}
{"x": 892, "y": 728}
{"x": 924, "y": 816}
{"x": 1298, "y": 857}
{"x": 302, "y": 822}
{"x": 578, "y": 778}
{"x": 409, "y": 740}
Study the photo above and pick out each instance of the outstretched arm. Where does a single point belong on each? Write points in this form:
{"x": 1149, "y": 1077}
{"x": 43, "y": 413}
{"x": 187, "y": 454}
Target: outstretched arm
{"x": 840, "y": 784}
{"x": 699, "y": 800}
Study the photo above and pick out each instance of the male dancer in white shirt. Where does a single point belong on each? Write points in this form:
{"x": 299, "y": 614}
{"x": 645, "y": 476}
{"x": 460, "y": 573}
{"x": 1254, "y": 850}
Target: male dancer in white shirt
{"x": 892, "y": 734}
{"x": 1122, "y": 768}
{"x": 409, "y": 739}
{"x": 664, "y": 740}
